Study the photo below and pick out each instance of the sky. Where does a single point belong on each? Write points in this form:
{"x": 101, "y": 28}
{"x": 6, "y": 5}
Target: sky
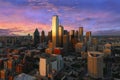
{"x": 21, "y": 17}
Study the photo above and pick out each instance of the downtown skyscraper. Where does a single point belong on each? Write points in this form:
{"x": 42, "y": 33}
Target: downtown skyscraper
{"x": 80, "y": 34}
{"x": 55, "y": 30}
{"x": 36, "y": 37}
{"x": 60, "y": 33}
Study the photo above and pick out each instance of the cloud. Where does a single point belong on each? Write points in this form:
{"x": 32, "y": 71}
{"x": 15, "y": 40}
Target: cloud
{"x": 4, "y": 32}
{"x": 108, "y": 32}
{"x": 26, "y": 15}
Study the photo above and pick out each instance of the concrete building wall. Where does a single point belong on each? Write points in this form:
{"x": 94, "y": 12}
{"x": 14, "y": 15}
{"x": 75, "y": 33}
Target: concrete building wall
{"x": 43, "y": 67}
{"x": 95, "y": 64}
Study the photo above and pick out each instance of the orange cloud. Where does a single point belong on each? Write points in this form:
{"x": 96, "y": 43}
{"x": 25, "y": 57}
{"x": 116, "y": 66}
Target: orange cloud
{"x": 24, "y": 28}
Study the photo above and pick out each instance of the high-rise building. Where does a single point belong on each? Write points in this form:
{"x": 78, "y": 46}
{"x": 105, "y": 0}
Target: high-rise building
{"x": 36, "y": 37}
{"x": 61, "y": 35}
{"x": 95, "y": 64}
{"x": 55, "y": 25}
{"x": 65, "y": 32}
{"x": 80, "y": 38}
{"x": 88, "y": 36}
{"x": 42, "y": 36}
{"x": 71, "y": 35}
{"x": 47, "y": 64}
{"x": 65, "y": 42}
{"x": 50, "y": 64}
{"x": 59, "y": 59}
{"x": 88, "y": 39}
{"x": 43, "y": 67}
{"x": 50, "y": 36}
{"x": 76, "y": 35}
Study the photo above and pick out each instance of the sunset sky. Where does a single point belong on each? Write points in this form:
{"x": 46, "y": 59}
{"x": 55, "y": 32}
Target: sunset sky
{"x": 20, "y": 17}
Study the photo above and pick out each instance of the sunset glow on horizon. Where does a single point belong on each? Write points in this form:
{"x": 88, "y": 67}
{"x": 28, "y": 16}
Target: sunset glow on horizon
{"x": 21, "y": 17}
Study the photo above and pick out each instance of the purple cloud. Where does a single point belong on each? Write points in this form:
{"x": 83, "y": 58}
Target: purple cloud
{"x": 96, "y": 15}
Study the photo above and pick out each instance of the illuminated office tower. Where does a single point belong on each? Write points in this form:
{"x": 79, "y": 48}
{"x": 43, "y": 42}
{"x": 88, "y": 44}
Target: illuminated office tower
{"x": 88, "y": 36}
{"x": 50, "y": 65}
{"x": 71, "y": 35}
{"x": 72, "y": 32}
{"x": 55, "y": 25}
{"x": 95, "y": 64}
{"x": 42, "y": 36}
{"x": 43, "y": 67}
{"x": 61, "y": 35}
{"x": 80, "y": 34}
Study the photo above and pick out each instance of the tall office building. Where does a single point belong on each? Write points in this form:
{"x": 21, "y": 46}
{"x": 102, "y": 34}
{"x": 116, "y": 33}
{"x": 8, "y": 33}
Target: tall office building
{"x": 36, "y": 37}
{"x": 61, "y": 35}
{"x": 65, "y": 32}
{"x": 76, "y": 35}
{"x": 42, "y": 36}
{"x": 65, "y": 42}
{"x": 50, "y": 64}
{"x": 43, "y": 67}
{"x": 71, "y": 35}
{"x": 88, "y": 36}
{"x": 88, "y": 39}
{"x": 55, "y": 25}
{"x": 49, "y": 36}
{"x": 80, "y": 34}
{"x": 95, "y": 64}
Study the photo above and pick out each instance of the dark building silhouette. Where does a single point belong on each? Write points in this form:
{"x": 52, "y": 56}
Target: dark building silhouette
{"x": 65, "y": 32}
{"x": 80, "y": 34}
{"x": 36, "y": 37}
{"x": 50, "y": 36}
{"x": 76, "y": 34}
{"x": 42, "y": 36}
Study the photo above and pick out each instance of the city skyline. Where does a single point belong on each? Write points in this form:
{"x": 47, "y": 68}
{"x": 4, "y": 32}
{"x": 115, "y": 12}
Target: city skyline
{"x": 20, "y": 17}
{"x": 59, "y": 40}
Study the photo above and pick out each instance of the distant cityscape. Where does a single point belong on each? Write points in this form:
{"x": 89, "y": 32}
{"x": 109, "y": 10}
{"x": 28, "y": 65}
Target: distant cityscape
{"x": 60, "y": 55}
